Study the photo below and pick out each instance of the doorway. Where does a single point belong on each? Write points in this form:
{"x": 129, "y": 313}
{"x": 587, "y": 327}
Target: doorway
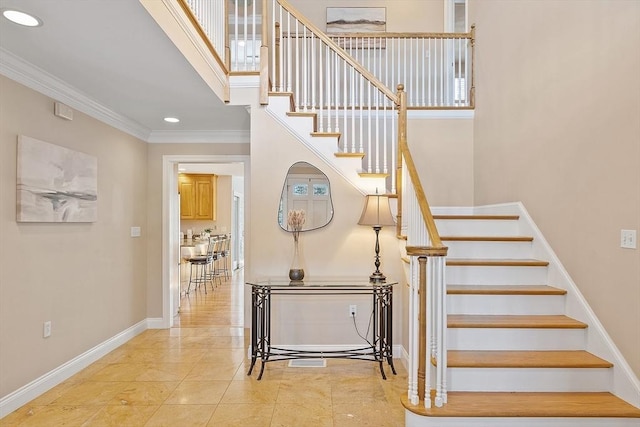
{"x": 171, "y": 223}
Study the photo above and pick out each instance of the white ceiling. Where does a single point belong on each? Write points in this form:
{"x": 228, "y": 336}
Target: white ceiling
{"x": 111, "y": 55}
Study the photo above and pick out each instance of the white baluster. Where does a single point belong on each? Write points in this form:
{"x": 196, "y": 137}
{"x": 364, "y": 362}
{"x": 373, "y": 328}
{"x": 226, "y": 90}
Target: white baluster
{"x": 313, "y": 72}
{"x": 345, "y": 106}
{"x": 289, "y": 49}
{"x": 353, "y": 109}
{"x": 296, "y": 82}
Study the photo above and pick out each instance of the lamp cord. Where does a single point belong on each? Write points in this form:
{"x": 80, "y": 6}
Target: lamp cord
{"x": 355, "y": 325}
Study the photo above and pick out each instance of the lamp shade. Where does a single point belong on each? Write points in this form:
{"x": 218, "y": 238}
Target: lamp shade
{"x": 376, "y": 211}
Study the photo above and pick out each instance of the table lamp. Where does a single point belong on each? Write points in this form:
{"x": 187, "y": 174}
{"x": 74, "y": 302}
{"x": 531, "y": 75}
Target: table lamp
{"x": 376, "y": 213}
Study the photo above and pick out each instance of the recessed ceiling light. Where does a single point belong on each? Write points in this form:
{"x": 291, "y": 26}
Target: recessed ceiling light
{"x": 21, "y": 18}
{"x": 171, "y": 119}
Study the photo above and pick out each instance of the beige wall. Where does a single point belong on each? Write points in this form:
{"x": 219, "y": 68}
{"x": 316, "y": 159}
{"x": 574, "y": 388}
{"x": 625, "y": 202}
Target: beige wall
{"x": 402, "y": 15}
{"x": 88, "y": 279}
{"x": 341, "y": 249}
{"x": 154, "y": 208}
{"x": 442, "y": 150}
{"x": 558, "y": 127}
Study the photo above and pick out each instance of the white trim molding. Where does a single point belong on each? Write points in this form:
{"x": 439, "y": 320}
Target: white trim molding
{"x": 223, "y": 136}
{"x": 35, "y": 388}
{"x": 39, "y": 80}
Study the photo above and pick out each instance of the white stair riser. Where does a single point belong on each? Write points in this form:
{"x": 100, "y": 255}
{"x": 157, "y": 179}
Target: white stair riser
{"x": 466, "y": 249}
{"x": 477, "y": 227}
{"x": 505, "y": 304}
{"x": 515, "y": 339}
{"x": 499, "y": 275}
{"x": 529, "y": 379}
{"x": 279, "y": 104}
{"x": 413, "y": 420}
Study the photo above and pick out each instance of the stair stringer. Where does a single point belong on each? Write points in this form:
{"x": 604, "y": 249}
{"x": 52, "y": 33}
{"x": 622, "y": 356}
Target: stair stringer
{"x": 323, "y": 146}
{"x": 625, "y": 384}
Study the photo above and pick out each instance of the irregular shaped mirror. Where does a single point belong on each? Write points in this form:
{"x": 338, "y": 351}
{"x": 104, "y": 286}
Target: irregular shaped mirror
{"x": 306, "y": 188}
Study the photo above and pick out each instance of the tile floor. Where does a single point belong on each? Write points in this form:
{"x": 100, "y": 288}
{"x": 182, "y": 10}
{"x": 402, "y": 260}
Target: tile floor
{"x": 194, "y": 374}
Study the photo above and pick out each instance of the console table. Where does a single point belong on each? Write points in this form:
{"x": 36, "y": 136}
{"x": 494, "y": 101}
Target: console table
{"x": 378, "y": 350}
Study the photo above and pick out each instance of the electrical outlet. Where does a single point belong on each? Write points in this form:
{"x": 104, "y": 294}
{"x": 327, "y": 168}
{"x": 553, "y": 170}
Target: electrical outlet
{"x": 628, "y": 239}
{"x": 353, "y": 310}
{"x": 46, "y": 329}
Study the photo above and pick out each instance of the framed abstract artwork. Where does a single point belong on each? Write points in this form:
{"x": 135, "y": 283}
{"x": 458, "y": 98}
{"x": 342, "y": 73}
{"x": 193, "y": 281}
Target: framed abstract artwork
{"x": 345, "y": 20}
{"x": 55, "y": 184}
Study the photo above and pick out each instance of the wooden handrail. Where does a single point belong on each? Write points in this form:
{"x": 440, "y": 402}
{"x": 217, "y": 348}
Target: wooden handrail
{"x": 341, "y": 52}
{"x": 383, "y": 35}
{"x": 194, "y": 21}
{"x": 403, "y": 147}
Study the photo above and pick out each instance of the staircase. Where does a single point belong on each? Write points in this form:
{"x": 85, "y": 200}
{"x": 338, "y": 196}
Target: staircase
{"x": 514, "y": 356}
{"x": 524, "y": 348}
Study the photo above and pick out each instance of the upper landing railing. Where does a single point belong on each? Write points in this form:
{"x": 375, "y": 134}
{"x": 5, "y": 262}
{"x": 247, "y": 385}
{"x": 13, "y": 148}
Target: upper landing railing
{"x": 436, "y": 69}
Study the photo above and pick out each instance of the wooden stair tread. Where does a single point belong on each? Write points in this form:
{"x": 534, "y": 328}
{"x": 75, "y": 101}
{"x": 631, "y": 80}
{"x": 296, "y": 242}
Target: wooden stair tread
{"x": 301, "y": 114}
{"x": 555, "y": 404}
{"x": 332, "y": 134}
{"x": 524, "y": 359}
{"x": 478, "y": 217}
{"x": 513, "y": 321}
{"x": 504, "y": 290}
{"x": 373, "y": 175}
{"x": 487, "y": 238}
{"x": 341, "y": 154}
{"x": 497, "y": 262}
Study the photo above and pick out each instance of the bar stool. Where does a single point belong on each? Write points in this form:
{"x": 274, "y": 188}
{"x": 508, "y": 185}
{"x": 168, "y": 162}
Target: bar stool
{"x": 200, "y": 266}
{"x": 226, "y": 255}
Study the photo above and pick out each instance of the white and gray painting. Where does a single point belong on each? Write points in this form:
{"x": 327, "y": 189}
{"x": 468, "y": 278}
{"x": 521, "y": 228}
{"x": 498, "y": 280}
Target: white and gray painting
{"x": 355, "y": 19}
{"x": 55, "y": 184}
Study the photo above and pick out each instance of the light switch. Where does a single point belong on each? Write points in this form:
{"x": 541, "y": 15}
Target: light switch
{"x": 135, "y": 231}
{"x": 628, "y": 239}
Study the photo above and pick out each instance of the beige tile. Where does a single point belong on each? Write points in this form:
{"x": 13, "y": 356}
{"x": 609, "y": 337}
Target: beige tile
{"x": 251, "y": 392}
{"x": 89, "y": 393}
{"x": 165, "y": 355}
{"x": 221, "y": 370}
{"x": 356, "y": 390}
{"x": 143, "y": 372}
{"x": 48, "y": 416}
{"x": 303, "y": 391}
{"x": 144, "y": 393}
{"x": 306, "y": 374}
{"x": 242, "y": 415}
{"x": 122, "y": 416}
{"x": 181, "y": 415}
{"x": 302, "y": 414}
{"x": 373, "y": 414}
{"x": 224, "y": 355}
{"x": 57, "y": 391}
{"x": 198, "y": 392}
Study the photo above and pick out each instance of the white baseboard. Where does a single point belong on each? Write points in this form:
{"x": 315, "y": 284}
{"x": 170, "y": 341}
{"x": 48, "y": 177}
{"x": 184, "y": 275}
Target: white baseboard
{"x": 156, "y": 323}
{"x": 35, "y": 388}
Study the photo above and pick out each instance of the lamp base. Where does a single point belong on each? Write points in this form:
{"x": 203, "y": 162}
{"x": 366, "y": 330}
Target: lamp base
{"x": 377, "y": 277}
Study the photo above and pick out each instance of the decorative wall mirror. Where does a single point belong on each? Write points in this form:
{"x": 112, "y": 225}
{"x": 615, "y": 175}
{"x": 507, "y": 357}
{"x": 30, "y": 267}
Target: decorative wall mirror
{"x": 306, "y": 188}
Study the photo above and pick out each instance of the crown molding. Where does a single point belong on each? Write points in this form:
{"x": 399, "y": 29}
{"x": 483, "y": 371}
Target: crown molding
{"x": 39, "y": 80}
{"x": 187, "y": 137}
